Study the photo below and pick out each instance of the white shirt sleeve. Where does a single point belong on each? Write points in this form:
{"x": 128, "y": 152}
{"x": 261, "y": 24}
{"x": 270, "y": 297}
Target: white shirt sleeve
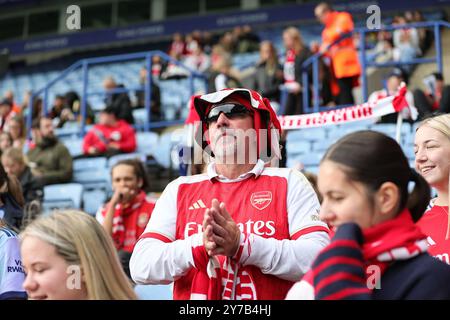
{"x": 301, "y": 290}
{"x": 290, "y": 259}
{"x": 157, "y": 258}
{"x": 12, "y": 276}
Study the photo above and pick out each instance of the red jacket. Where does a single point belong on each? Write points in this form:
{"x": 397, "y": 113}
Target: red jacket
{"x": 100, "y": 135}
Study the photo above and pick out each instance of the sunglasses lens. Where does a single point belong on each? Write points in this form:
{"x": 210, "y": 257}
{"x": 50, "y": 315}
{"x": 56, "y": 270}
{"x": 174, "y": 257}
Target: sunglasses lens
{"x": 231, "y": 111}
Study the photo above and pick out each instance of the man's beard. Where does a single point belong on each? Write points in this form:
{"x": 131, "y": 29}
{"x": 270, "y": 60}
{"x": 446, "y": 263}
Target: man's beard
{"x": 48, "y": 141}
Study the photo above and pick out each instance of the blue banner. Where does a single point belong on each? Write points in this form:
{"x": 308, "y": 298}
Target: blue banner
{"x": 286, "y": 14}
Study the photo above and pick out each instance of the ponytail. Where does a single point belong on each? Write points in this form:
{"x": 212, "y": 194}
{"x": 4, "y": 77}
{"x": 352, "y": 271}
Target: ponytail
{"x": 419, "y": 198}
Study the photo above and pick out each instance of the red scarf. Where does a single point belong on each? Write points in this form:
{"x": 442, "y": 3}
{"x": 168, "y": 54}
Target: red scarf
{"x": 120, "y": 226}
{"x": 396, "y": 239}
{"x": 213, "y": 282}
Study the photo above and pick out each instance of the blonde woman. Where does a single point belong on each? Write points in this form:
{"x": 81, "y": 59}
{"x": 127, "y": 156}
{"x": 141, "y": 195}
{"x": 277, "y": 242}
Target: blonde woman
{"x": 68, "y": 256}
{"x": 432, "y": 150}
{"x": 296, "y": 54}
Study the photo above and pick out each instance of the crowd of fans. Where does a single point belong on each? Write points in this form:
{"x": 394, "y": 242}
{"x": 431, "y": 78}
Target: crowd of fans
{"x": 27, "y": 166}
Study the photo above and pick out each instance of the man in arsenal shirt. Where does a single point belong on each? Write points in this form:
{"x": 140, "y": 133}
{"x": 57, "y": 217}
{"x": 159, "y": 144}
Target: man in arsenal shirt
{"x": 242, "y": 230}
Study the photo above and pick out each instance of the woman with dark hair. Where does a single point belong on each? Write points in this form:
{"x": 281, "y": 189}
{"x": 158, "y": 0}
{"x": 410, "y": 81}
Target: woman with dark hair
{"x": 377, "y": 252}
{"x": 126, "y": 214}
{"x": 11, "y": 200}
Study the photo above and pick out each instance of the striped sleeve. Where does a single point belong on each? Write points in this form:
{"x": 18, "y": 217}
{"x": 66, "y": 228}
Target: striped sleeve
{"x": 303, "y": 207}
{"x": 338, "y": 271}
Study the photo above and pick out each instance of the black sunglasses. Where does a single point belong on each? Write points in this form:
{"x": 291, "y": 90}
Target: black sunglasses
{"x": 231, "y": 111}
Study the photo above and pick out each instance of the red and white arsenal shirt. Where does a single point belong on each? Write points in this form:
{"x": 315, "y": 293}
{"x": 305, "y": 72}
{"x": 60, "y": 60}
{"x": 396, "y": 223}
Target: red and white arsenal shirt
{"x": 276, "y": 207}
{"x": 434, "y": 224}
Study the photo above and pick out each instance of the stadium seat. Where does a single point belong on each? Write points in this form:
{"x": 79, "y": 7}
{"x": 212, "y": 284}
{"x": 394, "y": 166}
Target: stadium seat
{"x": 93, "y": 200}
{"x": 75, "y": 146}
{"x": 89, "y": 164}
{"x": 92, "y": 173}
{"x": 125, "y": 156}
{"x": 93, "y": 179}
{"x": 140, "y": 116}
{"x": 147, "y": 142}
{"x": 67, "y": 195}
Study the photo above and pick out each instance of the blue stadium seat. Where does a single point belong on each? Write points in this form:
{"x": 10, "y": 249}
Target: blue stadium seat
{"x": 89, "y": 164}
{"x": 93, "y": 200}
{"x": 140, "y": 116}
{"x": 147, "y": 142}
{"x": 154, "y": 292}
{"x": 125, "y": 156}
{"x": 75, "y": 146}
{"x": 67, "y": 195}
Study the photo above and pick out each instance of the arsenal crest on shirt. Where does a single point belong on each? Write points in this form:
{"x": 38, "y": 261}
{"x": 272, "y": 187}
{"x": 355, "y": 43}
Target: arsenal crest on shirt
{"x": 261, "y": 200}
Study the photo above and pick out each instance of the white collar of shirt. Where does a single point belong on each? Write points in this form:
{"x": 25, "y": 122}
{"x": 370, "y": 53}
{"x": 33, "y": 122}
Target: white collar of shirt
{"x": 256, "y": 172}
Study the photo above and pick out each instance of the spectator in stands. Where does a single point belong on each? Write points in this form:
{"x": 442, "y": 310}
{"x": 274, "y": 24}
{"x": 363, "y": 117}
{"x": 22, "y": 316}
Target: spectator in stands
{"x": 72, "y": 110}
{"x": 222, "y": 74}
{"x": 49, "y": 159}
{"x": 155, "y": 101}
{"x": 228, "y": 42}
{"x": 5, "y": 141}
{"x": 326, "y": 83}
{"x": 198, "y": 60}
{"x": 110, "y": 136}
{"x": 269, "y": 74}
{"x": 158, "y": 67}
{"x": 125, "y": 216}
{"x": 18, "y": 131}
{"x": 265, "y": 212}
{"x": 296, "y": 54}
{"x": 432, "y": 150}
{"x": 37, "y": 105}
{"x": 344, "y": 56}
{"x": 247, "y": 40}
{"x": 11, "y": 200}
{"x": 11, "y": 270}
{"x": 120, "y": 101}
{"x": 406, "y": 44}
{"x": 178, "y": 46}
{"x": 68, "y": 256}
{"x": 14, "y": 163}
{"x": 364, "y": 180}
{"x": 9, "y": 95}
{"x": 436, "y": 97}
{"x": 58, "y": 106}
{"x": 393, "y": 81}
{"x": 6, "y": 113}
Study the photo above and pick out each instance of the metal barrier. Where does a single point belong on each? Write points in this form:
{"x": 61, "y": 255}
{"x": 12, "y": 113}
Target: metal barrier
{"x": 85, "y": 64}
{"x": 313, "y": 61}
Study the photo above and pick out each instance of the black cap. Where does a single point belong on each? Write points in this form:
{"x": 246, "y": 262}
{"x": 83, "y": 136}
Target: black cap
{"x": 5, "y": 102}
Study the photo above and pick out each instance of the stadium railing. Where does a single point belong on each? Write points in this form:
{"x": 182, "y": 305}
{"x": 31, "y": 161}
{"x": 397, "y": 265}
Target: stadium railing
{"x": 366, "y": 62}
{"x": 86, "y": 64}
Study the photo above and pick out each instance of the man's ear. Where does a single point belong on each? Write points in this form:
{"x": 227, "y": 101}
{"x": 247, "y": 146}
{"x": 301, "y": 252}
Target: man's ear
{"x": 388, "y": 198}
